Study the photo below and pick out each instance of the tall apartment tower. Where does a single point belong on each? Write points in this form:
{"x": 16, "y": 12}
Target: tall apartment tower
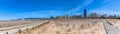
{"x": 85, "y": 13}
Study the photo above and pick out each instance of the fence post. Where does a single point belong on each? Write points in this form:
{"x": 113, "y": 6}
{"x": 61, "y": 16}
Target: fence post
{"x": 36, "y": 26}
{"x": 33, "y": 27}
{"x": 19, "y": 31}
{"x": 6, "y": 32}
{"x": 27, "y": 30}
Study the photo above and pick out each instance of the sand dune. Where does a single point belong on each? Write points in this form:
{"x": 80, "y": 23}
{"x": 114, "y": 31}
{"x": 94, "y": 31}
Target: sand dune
{"x": 70, "y": 27}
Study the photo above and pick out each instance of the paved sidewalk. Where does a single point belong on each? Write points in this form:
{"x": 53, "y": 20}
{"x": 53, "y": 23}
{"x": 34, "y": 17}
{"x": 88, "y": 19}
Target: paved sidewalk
{"x": 110, "y": 29}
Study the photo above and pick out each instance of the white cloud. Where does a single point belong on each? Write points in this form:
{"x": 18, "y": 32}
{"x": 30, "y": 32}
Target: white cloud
{"x": 80, "y": 6}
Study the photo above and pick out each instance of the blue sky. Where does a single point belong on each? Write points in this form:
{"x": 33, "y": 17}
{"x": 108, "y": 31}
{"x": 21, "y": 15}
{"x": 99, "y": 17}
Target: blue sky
{"x": 13, "y": 9}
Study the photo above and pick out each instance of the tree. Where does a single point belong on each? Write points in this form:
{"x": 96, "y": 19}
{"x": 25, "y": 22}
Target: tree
{"x": 104, "y": 16}
{"x": 118, "y": 17}
{"x": 51, "y": 17}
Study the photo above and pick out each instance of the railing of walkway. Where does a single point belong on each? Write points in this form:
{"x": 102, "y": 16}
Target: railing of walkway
{"x": 19, "y": 29}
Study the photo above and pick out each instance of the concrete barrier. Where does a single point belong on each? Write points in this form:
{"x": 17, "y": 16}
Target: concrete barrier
{"x": 14, "y": 29}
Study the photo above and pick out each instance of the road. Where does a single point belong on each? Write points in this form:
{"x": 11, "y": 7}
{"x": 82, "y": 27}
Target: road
{"x": 110, "y": 29}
